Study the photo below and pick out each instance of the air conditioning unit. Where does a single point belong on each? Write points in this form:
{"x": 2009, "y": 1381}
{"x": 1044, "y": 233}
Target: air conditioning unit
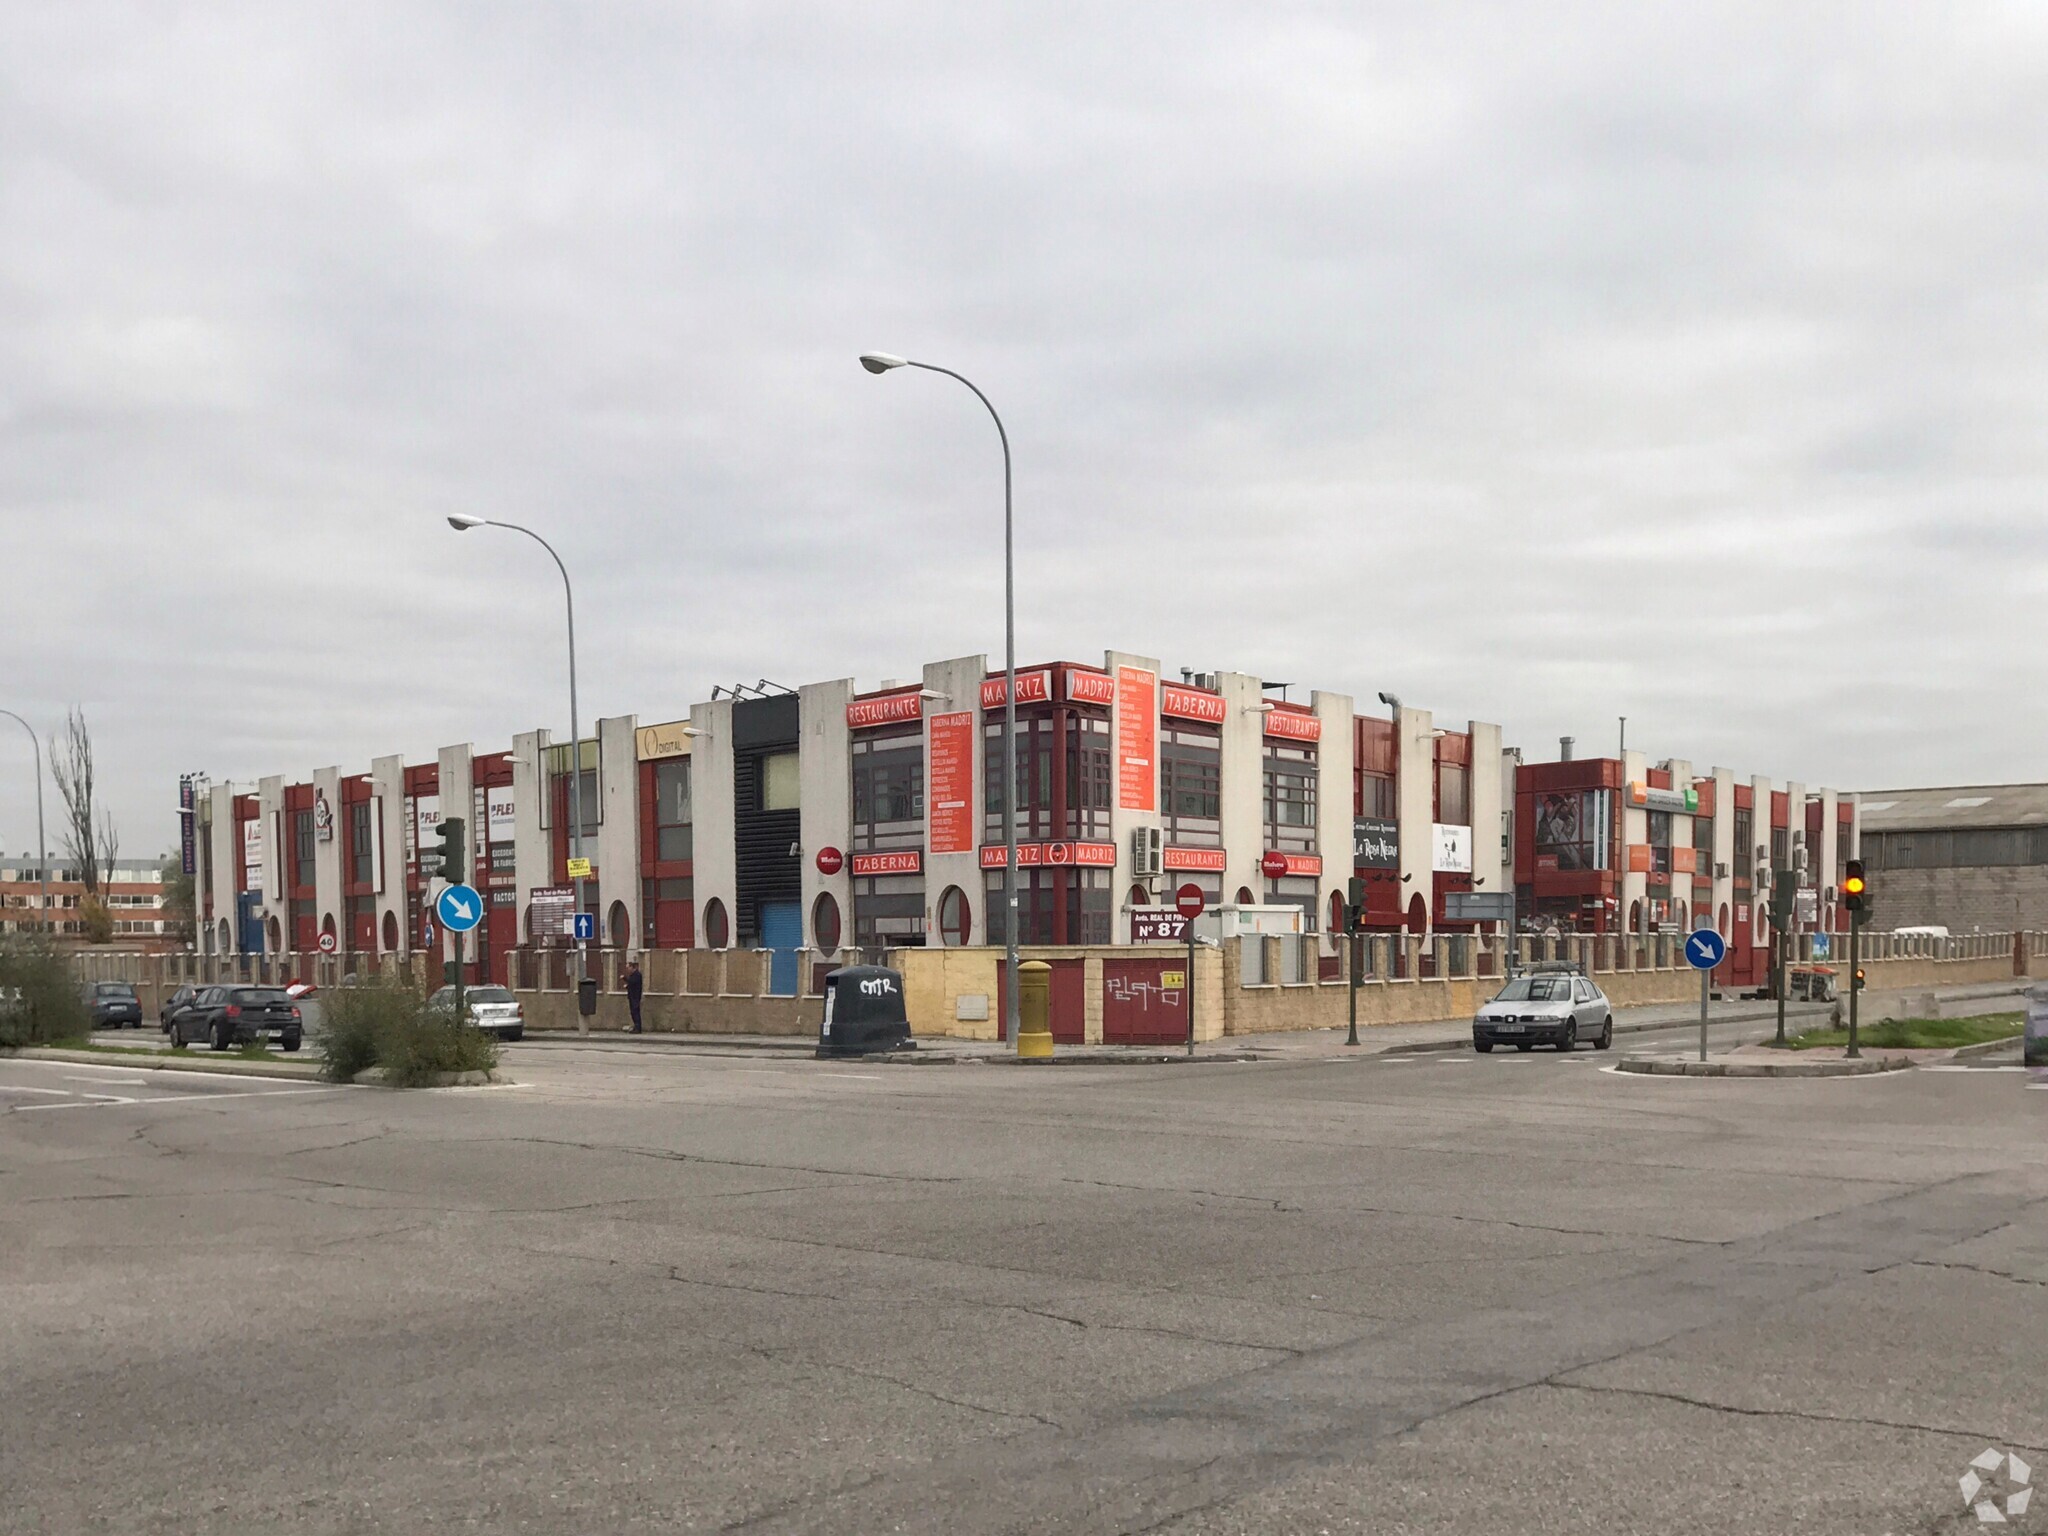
{"x": 1720, "y": 871}
{"x": 1206, "y": 680}
{"x": 1148, "y": 846}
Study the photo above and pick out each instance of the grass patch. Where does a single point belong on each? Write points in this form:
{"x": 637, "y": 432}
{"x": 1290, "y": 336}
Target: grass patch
{"x": 1918, "y": 1034}
{"x": 388, "y": 1023}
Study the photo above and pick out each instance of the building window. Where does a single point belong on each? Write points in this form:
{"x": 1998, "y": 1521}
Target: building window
{"x": 1290, "y": 790}
{"x": 1088, "y": 775}
{"x": 673, "y": 835}
{"x": 302, "y": 838}
{"x": 1659, "y": 823}
{"x": 956, "y": 917}
{"x": 825, "y": 922}
{"x": 1079, "y": 899}
{"x": 1376, "y": 796}
{"x": 1703, "y": 846}
{"x": 1781, "y": 848}
{"x": 1745, "y": 844}
{"x": 888, "y": 911}
{"x": 888, "y": 791}
{"x": 360, "y": 847}
{"x": 781, "y": 782}
{"x": 1191, "y": 784}
{"x": 717, "y": 927}
{"x": 1034, "y": 778}
{"x": 1454, "y": 794}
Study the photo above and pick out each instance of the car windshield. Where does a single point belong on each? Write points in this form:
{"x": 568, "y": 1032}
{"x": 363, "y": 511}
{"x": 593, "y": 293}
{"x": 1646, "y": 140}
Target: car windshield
{"x": 256, "y": 997}
{"x": 1536, "y": 989}
{"x": 116, "y": 989}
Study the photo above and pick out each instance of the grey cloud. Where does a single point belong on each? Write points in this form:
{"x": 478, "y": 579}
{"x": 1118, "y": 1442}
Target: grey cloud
{"x": 1544, "y": 364}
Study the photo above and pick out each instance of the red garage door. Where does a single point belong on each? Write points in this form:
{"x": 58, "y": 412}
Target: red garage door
{"x": 1144, "y": 1002}
{"x": 1069, "y": 1000}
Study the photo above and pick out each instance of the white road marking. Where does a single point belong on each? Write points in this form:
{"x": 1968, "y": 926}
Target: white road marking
{"x": 111, "y": 1082}
{"x": 57, "y": 1093}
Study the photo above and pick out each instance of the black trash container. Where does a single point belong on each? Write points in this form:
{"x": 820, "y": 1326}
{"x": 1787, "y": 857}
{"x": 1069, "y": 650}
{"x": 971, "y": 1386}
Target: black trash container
{"x": 586, "y": 996}
{"x": 864, "y": 1012}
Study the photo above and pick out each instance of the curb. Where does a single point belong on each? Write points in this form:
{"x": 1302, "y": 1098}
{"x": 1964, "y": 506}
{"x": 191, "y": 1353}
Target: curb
{"x": 1986, "y": 1048}
{"x": 379, "y": 1077}
{"x": 141, "y": 1061}
{"x": 1142, "y": 1059}
{"x": 1653, "y": 1067}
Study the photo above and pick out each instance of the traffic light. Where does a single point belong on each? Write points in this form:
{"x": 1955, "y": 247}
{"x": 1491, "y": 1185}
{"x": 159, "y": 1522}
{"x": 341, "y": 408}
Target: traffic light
{"x": 1855, "y": 888}
{"x": 453, "y": 855}
{"x": 1857, "y": 983}
{"x": 1354, "y": 906}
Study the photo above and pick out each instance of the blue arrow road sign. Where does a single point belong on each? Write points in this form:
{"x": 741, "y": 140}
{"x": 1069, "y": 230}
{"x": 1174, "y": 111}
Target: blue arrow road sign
{"x": 1705, "y": 949}
{"x": 1823, "y": 948}
{"x": 586, "y": 926}
{"x": 460, "y": 908}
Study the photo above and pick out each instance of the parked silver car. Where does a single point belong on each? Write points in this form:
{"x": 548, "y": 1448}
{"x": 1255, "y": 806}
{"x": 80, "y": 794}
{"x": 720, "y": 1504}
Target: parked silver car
{"x": 491, "y": 1009}
{"x": 1545, "y": 1006}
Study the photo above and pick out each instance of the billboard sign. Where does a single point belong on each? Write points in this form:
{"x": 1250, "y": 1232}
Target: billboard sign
{"x": 1375, "y": 843}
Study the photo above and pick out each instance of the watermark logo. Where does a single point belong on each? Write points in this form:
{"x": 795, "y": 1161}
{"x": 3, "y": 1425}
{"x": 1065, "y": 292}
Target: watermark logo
{"x": 1978, "y": 1480}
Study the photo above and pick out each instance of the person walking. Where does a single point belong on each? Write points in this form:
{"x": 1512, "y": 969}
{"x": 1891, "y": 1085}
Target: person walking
{"x": 635, "y": 985}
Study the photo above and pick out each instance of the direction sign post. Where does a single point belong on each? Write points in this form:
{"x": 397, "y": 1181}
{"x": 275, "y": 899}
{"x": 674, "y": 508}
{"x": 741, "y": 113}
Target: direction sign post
{"x": 586, "y": 927}
{"x": 1705, "y": 949}
{"x": 1189, "y": 902}
{"x": 460, "y": 909}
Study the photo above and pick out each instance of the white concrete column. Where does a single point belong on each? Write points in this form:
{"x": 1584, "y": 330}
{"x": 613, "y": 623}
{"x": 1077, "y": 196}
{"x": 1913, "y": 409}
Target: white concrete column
{"x": 1682, "y": 885}
{"x": 618, "y": 832}
{"x": 224, "y": 835}
{"x": 458, "y": 796}
{"x": 1723, "y": 851}
{"x": 276, "y": 839}
{"x": 1489, "y": 814}
{"x": 1415, "y": 809}
{"x": 1334, "y": 753}
{"x": 825, "y": 766}
{"x": 533, "y": 855}
{"x": 1635, "y": 831}
{"x": 715, "y": 868}
{"x": 327, "y": 858}
{"x": 1242, "y": 764}
{"x": 387, "y": 778}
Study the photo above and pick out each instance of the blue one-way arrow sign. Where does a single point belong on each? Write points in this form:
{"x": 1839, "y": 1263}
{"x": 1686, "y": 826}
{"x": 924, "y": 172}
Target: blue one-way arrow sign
{"x": 586, "y": 926}
{"x": 1705, "y": 949}
{"x": 460, "y": 908}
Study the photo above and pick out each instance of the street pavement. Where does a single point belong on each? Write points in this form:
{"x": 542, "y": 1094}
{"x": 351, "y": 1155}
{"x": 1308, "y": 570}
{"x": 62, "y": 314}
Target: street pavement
{"x": 655, "y": 1290}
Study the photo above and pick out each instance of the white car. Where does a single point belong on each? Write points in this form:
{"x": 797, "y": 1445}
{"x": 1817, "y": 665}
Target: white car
{"x": 1545, "y": 1006}
{"x": 494, "y": 1010}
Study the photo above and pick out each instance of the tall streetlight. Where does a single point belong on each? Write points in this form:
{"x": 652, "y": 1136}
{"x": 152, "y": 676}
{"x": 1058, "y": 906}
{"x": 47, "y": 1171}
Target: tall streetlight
{"x": 462, "y": 524}
{"x": 42, "y": 844}
{"x": 882, "y": 362}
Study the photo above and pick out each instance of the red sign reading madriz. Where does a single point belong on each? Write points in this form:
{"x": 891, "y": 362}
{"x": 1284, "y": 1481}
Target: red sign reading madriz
{"x": 1033, "y": 855}
{"x": 884, "y": 709}
{"x": 1090, "y": 687}
{"x": 1032, "y": 688}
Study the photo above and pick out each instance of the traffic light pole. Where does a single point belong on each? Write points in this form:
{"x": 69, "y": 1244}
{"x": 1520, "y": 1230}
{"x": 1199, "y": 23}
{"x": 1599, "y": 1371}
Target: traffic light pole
{"x": 1855, "y": 965}
{"x": 1778, "y": 976}
{"x": 1354, "y": 936}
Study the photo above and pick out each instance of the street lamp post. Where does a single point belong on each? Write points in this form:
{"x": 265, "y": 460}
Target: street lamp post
{"x": 42, "y": 844}
{"x": 882, "y": 362}
{"x": 462, "y": 524}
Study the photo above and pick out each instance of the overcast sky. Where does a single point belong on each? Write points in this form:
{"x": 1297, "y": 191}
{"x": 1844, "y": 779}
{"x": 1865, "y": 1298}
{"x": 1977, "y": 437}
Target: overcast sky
{"x": 1541, "y": 364}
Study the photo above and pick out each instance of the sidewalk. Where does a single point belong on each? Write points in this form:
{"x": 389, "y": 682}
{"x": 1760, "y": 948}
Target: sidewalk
{"x": 1289, "y": 1045}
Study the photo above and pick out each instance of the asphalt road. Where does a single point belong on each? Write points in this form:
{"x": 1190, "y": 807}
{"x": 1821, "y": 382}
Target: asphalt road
{"x": 661, "y": 1291}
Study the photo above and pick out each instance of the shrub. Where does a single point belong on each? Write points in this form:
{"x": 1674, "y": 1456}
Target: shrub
{"x": 40, "y": 1002}
{"x": 389, "y": 1023}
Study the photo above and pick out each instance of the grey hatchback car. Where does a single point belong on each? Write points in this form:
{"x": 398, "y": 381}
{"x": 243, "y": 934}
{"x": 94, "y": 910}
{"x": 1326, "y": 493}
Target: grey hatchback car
{"x": 1557, "y": 1007}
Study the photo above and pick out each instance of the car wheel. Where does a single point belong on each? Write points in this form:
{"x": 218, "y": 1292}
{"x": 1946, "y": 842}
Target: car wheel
{"x": 221, "y": 1038}
{"x": 1570, "y": 1042}
{"x": 291, "y": 1041}
{"x": 517, "y": 1032}
{"x": 1482, "y": 1046}
{"x": 1525, "y": 1045}
{"x": 1606, "y": 1036}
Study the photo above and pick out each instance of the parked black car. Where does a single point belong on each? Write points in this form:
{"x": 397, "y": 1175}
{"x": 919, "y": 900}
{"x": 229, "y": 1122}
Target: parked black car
{"x": 229, "y": 1016}
{"x": 113, "y": 1005}
{"x": 176, "y": 1003}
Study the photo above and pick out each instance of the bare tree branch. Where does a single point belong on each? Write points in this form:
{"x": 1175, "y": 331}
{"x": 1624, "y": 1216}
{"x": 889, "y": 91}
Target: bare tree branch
{"x": 109, "y": 845}
{"x": 71, "y": 766}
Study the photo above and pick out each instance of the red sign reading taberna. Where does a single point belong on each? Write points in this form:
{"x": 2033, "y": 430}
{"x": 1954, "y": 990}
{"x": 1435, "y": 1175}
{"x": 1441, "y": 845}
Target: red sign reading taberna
{"x": 1191, "y": 704}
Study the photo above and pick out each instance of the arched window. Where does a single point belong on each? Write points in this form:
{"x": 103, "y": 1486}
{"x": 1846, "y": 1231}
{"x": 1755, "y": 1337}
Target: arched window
{"x": 620, "y": 925}
{"x": 276, "y": 935}
{"x": 1722, "y": 926}
{"x": 717, "y": 930}
{"x": 1139, "y": 896}
{"x": 1336, "y": 911}
{"x": 956, "y": 917}
{"x": 825, "y": 922}
{"x": 390, "y": 933}
{"x": 226, "y": 937}
{"x": 1244, "y": 896}
{"x": 1418, "y": 914}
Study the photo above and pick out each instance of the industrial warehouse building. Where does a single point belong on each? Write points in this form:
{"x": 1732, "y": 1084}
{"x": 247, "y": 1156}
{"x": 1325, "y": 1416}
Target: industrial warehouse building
{"x": 1972, "y": 858}
{"x": 832, "y": 816}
